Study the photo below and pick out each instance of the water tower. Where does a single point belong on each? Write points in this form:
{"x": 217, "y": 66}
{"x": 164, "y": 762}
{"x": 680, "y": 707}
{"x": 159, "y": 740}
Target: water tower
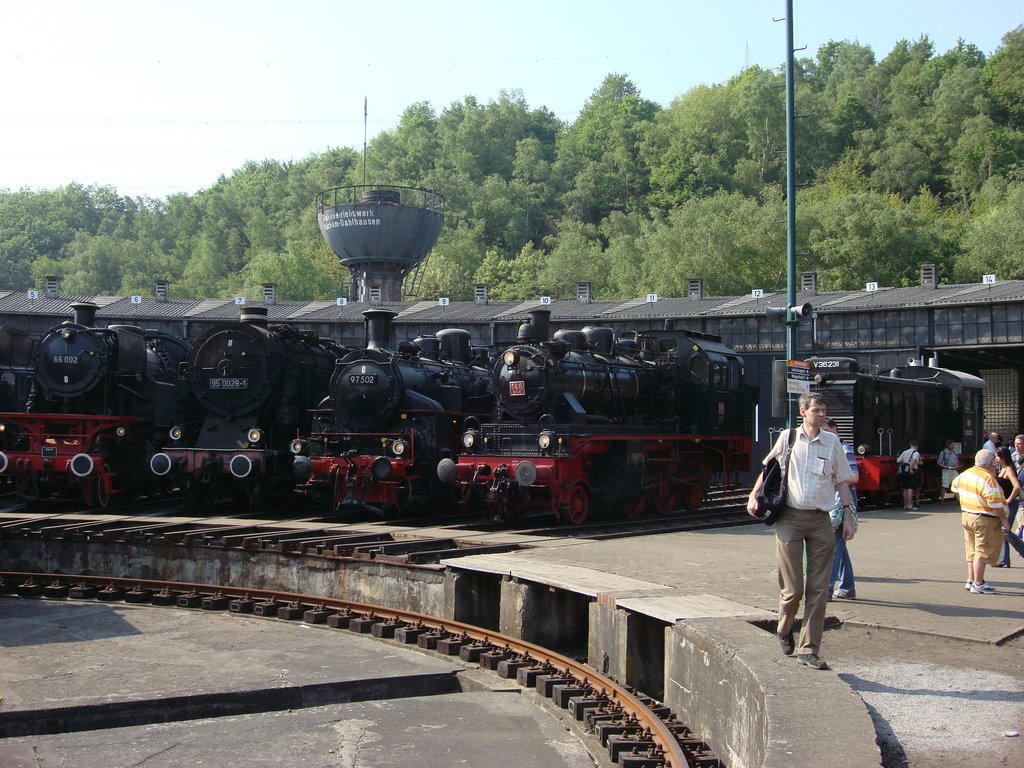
{"x": 381, "y": 233}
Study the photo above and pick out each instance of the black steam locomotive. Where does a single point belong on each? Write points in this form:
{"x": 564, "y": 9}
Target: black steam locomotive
{"x": 628, "y": 423}
{"x": 389, "y": 418}
{"x": 100, "y": 404}
{"x": 879, "y": 411}
{"x": 251, "y": 386}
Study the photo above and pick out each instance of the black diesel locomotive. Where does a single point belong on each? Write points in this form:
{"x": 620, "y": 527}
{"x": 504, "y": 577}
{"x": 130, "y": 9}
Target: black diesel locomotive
{"x": 101, "y": 402}
{"x": 631, "y": 422}
{"x": 252, "y": 386}
{"x": 878, "y": 412}
{"x": 389, "y": 418}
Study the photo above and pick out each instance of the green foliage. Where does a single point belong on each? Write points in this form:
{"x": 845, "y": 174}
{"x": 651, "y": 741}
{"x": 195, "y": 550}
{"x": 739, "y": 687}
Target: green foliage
{"x": 994, "y": 241}
{"x": 913, "y": 158}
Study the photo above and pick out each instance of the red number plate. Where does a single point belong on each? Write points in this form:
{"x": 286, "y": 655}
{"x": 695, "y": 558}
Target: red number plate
{"x": 517, "y": 388}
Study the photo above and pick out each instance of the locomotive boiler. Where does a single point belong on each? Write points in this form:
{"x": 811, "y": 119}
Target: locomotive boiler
{"x": 100, "y": 404}
{"x": 251, "y": 386}
{"x": 586, "y": 418}
{"x": 879, "y": 411}
{"x": 390, "y": 416}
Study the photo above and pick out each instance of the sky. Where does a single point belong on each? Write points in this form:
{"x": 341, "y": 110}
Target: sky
{"x": 159, "y": 98}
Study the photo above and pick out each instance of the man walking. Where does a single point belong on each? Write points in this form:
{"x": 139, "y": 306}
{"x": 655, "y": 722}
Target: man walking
{"x": 983, "y": 517}
{"x": 817, "y": 470}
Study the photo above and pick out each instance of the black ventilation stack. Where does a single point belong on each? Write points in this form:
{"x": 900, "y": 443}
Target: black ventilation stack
{"x": 381, "y": 233}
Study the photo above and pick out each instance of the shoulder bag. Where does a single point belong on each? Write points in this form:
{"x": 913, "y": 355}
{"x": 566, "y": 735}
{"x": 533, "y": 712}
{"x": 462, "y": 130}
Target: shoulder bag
{"x": 771, "y": 496}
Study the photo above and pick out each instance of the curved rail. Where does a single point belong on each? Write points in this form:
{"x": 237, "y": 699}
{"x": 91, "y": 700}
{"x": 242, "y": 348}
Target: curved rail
{"x": 654, "y": 728}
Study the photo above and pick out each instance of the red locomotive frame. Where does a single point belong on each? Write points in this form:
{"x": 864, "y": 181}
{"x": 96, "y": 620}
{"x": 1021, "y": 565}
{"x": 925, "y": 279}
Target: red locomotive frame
{"x": 69, "y": 453}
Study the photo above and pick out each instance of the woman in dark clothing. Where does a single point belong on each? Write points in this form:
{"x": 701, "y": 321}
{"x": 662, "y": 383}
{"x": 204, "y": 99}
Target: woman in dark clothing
{"x": 1009, "y": 481}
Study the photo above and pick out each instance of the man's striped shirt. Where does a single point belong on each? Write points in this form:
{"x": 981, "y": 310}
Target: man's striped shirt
{"x": 979, "y": 493}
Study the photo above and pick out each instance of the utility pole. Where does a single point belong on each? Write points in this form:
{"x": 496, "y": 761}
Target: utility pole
{"x": 792, "y": 321}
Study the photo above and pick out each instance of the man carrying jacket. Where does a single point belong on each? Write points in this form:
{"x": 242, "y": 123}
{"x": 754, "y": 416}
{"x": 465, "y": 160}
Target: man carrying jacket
{"x": 817, "y": 470}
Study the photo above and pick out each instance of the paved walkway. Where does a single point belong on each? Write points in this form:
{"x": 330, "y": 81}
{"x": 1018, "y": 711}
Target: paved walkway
{"x": 910, "y": 571}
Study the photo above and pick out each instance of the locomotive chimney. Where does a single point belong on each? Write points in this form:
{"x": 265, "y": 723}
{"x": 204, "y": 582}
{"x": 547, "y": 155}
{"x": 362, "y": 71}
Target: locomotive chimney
{"x": 84, "y": 313}
{"x": 378, "y": 327}
{"x": 253, "y": 315}
{"x": 541, "y": 320}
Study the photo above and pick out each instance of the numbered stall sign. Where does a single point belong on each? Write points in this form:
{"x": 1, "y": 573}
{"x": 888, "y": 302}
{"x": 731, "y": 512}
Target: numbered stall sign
{"x": 341, "y": 301}
{"x": 988, "y": 279}
{"x": 33, "y": 295}
{"x": 871, "y": 287}
{"x": 545, "y": 300}
{"x": 652, "y": 298}
{"x": 443, "y": 301}
{"x": 136, "y": 299}
{"x": 239, "y": 300}
{"x": 757, "y": 293}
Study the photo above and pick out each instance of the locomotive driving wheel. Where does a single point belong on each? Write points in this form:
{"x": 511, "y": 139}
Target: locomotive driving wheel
{"x": 635, "y": 507}
{"x": 578, "y": 505}
{"x": 665, "y": 494}
{"x": 94, "y": 493}
{"x": 695, "y": 485}
{"x": 26, "y": 483}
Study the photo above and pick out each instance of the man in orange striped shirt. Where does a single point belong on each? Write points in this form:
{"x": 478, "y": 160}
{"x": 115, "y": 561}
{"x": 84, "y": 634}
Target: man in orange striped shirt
{"x": 983, "y": 516}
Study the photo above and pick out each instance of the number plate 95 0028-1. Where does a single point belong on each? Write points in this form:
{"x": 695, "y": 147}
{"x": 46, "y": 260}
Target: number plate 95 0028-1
{"x": 229, "y": 383}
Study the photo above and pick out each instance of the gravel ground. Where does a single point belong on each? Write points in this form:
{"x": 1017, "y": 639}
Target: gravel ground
{"x": 936, "y": 702}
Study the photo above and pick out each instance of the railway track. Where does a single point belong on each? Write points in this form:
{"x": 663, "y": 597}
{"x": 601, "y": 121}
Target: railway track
{"x": 415, "y": 542}
{"x": 637, "y": 731}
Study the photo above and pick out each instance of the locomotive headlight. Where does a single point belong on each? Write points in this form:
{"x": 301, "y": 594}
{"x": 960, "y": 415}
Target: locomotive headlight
{"x": 399, "y": 447}
{"x": 298, "y": 446}
{"x": 544, "y": 440}
{"x": 254, "y": 435}
{"x": 862, "y": 450}
{"x": 121, "y": 431}
{"x": 469, "y": 438}
{"x": 510, "y": 357}
{"x": 67, "y": 334}
{"x": 175, "y": 433}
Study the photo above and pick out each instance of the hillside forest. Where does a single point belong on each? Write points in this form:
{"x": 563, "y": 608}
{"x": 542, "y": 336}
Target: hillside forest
{"x": 914, "y": 158}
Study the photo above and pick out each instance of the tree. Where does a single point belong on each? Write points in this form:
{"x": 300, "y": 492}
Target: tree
{"x": 1004, "y": 76}
{"x": 600, "y": 153}
{"x": 867, "y": 236}
{"x": 577, "y": 256}
{"x": 994, "y": 241}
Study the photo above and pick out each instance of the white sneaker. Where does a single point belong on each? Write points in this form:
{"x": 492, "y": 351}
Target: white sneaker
{"x": 982, "y": 589}
{"x": 969, "y": 584}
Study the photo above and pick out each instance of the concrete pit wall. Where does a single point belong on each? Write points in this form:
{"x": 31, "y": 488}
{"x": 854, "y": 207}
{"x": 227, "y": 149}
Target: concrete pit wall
{"x": 546, "y": 616}
{"x": 726, "y": 680}
{"x": 419, "y": 589}
{"x": 628, "y": 647}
